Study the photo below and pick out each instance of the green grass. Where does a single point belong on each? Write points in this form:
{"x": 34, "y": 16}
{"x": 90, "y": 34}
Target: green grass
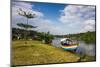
{"x": 35, "y": 52}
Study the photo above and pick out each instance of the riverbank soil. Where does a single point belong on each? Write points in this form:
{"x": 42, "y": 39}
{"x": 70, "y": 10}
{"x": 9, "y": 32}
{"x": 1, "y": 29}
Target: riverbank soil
{"x": 35, "y": 52}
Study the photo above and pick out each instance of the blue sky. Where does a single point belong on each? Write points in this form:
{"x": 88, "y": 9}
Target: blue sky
{"x": 50, "y": 11}
{"x": 59, "y": 19}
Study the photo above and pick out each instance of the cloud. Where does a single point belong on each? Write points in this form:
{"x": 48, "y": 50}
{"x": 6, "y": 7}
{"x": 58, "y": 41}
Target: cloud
{"x": 43, "y": 25}
{"x": 73, "y": 19}
{"x": 26, "y": 7}
{"x": 70, "y": 14}
{"x": 22, "y": 4}
{"x": 90, "y": 22}
{"x": 79, "y": 15}
{"x": 89, "y": 25}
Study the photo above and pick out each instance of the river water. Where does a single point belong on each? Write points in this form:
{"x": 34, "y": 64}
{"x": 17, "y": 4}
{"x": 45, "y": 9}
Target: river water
{"x": 87, "y": 49}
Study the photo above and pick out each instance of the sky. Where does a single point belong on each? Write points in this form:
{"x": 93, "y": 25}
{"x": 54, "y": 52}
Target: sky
{"x": 58, "y": 19}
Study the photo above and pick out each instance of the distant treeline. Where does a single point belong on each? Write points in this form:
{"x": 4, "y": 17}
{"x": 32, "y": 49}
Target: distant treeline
{"x": 88, "y": 37}
{"x": 20, "y": 34}
{"x": 17, "y": 33}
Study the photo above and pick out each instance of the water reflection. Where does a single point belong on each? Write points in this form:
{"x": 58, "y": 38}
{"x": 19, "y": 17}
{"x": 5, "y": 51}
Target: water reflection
{"x": 89, "y": 49}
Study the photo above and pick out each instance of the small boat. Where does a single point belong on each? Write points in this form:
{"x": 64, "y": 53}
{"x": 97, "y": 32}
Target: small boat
{"x": 69, "y": 44}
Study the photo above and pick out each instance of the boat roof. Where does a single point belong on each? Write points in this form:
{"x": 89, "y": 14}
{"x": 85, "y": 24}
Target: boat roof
{"x": 63, "y": 39}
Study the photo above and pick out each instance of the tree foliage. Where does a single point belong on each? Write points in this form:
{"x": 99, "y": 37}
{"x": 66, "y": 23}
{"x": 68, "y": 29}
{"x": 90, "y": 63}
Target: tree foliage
{"x": 25, "y": 25}
{"x": 88, "y": 37}
{"x": 47, "y": 37}
{"x": 28, "y": 15}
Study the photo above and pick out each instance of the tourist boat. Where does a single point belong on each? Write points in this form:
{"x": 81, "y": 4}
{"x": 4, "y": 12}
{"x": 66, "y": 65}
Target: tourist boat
{"x": 69, "y": 44}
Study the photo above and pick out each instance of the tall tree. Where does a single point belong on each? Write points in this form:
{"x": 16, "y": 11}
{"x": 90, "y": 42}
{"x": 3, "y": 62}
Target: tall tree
{"x": 28, "y": 15}
{"x": 25, "y": 26}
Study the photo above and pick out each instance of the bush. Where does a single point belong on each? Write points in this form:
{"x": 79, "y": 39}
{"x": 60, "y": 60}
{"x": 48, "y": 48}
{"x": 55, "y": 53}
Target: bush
{"x": 46, "y": 38}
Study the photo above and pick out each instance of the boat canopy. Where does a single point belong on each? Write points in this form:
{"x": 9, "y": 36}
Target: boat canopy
{"x": 63, "y": 39}
{"x": 68, "y": 41}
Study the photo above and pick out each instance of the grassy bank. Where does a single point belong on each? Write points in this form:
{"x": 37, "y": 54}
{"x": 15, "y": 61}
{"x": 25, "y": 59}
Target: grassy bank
{"x": 35, "y": 52}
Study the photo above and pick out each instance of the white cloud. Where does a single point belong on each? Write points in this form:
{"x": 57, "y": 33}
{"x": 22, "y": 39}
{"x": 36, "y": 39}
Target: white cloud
{"x": 89, "y": 25}
{"x": 90, "y": 22}
{"x": 26, "y": 7}
{"x": 73, "y": 19}
{"x": 43, "y": 25}
{"x": 22, "y": 4}
{"x": 70, "y": 14}
{"x": 79, "y": 15}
